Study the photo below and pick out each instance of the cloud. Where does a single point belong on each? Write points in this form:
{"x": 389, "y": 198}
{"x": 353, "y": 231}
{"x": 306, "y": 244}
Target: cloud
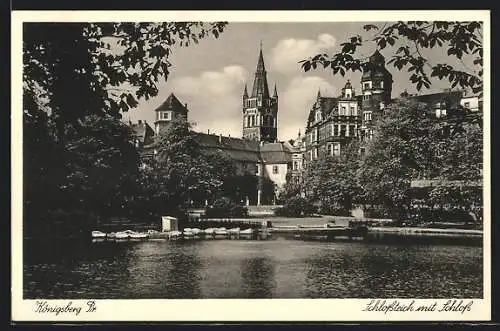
{"x": 214, "y": 99}
{"x": 288, "y": 52}
{"x": 296, "y": 101}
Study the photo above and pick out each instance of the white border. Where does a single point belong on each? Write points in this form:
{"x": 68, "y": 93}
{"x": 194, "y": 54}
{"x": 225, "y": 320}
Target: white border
{"x": 229, "y": 309}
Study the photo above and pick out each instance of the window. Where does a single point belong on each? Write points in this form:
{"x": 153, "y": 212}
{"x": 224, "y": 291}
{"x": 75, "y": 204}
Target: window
{"x": 337, "y": 130}
{"x": 467, "y": 105}
{"x": 275, "y": 169}
{"x": 315, "y": 153}
{"x": 343, "y": 130}
{"x": 330, "y": 149}
{"x": 336, "y": 149}
{"x": 318, "y": 116}
{"x": 295, "y": 165}
{"x": 348, "y": 95}
{"x": 368, "y": 115}
{"x": 332, "y": 129}
{"x": 352, "y": 130}
{"x": 166, "y": 115}
{"x": 440, "y": 112}
{"x": 342, "y": 111}
{"x": 366, "y": 85}
{"x": 353, "y": 111}
{"x": 382, "y": 84}
{"x": 315, "y": 135}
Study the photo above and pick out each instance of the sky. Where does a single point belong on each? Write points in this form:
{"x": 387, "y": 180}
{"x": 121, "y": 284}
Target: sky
{"x": 210, "y": 76}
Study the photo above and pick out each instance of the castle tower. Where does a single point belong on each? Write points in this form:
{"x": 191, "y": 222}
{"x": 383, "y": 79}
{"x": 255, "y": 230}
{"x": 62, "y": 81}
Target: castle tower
{"x": 171, "y": 108}
{"x": 260, "y": 110}
{"x": 376, "y": 87}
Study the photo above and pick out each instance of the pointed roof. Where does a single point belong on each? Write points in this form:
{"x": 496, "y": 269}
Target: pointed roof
{"x": 319, "y": 94}
{"x": 172, "y": 104}
{"x": 348, "y": 85}
{"x": 260, "y": 81}
{"x": 377, "y": 58}
{"x": 275, "y": 94}
{"x": 245, "y": 92}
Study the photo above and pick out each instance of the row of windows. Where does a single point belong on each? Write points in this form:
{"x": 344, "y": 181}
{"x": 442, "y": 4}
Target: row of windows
{"x": 368, "y": 85}
{"x": 253, "y": 103}
{"x": 343, "y": 111}
{"x": 333, "y": 150}
{"x": 335, "y": 130}
{"x": 255, "y": 120}
{"x": 367, "y": 115}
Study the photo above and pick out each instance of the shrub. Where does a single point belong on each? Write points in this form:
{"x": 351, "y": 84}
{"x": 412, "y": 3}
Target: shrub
{"x": 225, "y": 208}
{"x": 295, "y": 207}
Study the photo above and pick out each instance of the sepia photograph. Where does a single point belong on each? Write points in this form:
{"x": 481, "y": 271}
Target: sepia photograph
{"x": 221, "y": 159}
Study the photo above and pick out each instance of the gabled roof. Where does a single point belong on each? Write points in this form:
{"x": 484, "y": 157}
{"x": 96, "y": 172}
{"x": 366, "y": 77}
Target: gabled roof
{"x": 452, "y": 98}
{"x": 237, "y": 148}
{"x": 275, "y": 153}
{"x": 172, "y": 104}
{"x": 143, "y": 132}
{"x": 326, "y": 105}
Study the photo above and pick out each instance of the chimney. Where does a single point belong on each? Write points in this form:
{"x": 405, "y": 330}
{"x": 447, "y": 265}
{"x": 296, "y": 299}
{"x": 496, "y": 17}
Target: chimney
{"x": 186, "y": 105}
{"x": 208, "y": 131}
{"x": 229, "y": 135}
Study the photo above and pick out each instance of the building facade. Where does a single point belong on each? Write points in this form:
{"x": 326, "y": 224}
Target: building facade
{"x": 257, "y": 153}
{"x": 260, "y": 110}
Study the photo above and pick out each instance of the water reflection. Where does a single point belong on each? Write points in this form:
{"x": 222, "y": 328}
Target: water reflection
{"x": 257, "y": 277}
{"x": 251, "y": 269}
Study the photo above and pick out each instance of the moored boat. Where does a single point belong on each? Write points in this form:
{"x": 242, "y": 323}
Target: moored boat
{"x": 122, "y": 235}
{"x": 221, "y": 232}
{"x": 234, "y": 231}
{"x": 98, "y": 234}
{"x": 247, "y": 231}
{"x": 138, "y": 235}
{"x": 196, "y": 231}
{"x": 209, "y": 231}
{"x": 188, "y": 232}
{"x": 174, "y": 235}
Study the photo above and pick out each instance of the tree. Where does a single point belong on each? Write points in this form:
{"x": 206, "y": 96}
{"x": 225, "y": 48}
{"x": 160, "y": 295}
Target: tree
{"x": 400, "y": 151}
{"x": 410, "y": 40}
{"x": 333, "y": 181}
{"x": 411, "y": 143}
{"x": 78, "y": 77}
{"x": 462, "y": 161}
{"x": 103, "y": 68}
{"x": 183, "y": 172}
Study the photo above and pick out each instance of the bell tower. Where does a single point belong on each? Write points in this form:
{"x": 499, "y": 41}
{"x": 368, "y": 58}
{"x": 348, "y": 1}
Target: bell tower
{"x": 260, "y": 110}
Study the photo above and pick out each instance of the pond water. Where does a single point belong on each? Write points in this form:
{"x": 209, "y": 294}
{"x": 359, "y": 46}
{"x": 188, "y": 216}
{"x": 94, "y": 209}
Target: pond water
{"x": 277, "y": 268}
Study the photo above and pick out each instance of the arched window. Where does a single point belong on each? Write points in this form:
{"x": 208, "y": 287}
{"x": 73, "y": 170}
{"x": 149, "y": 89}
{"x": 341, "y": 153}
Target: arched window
{"x": 318, "y": 116}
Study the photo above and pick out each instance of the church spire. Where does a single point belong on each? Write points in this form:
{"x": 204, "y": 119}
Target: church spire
{"x": 319, "y": 94}
{"x": 275, "y": 94}
{"x": 260, "y": 86}
{"x": 245, "y": 92}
